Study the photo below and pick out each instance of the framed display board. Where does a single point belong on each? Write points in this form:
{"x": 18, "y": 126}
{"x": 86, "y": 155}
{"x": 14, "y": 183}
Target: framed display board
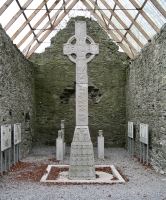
{"x": 144, "y": 136}
{"x": 5, "y": 137}
{"x": 17, "y": 133}
{"x": 130, "y": 129}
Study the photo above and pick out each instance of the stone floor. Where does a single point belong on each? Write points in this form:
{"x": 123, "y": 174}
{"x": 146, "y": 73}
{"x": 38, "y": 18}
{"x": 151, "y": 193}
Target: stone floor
{"x": 23, "y": 181}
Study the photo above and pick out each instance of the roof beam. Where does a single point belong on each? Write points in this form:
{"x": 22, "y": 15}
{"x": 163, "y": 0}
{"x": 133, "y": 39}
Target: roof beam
{"x": 54, "y": 25}
{"x": 153, "y": 25}
{"x": 37, "y": 24}
{"x": 159, "y": 7}
{"x": 113, "y": 11}
{"x": 132, "y": 20}
{"x": 17, "y": 15}
{"x": 122, "y": 23}
{"x": 45, "y": 26}
{"x": 145, "y": 1}
{"x": 28, "y": 20}
{"x": 129, "y": 53}
{"x": 5, "y": 5}
{"x": 119, "y": 32}
{"x": 64, "y": 7}
{"x": 49, "y": 18}
{"x": 104, "y": 20}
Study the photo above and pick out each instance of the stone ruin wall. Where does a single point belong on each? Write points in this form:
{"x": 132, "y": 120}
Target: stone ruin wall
{"x": 17, "y": 96}
{"x": 55, "y": 89}
{"x": 146, "y": 97}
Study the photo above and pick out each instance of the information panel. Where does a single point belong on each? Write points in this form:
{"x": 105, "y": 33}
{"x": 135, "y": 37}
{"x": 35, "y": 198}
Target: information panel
{"x": 144, "y": 137}
{"x": 17, "y": 133}
{"x": 5, "y": 137}
{"x": 130, "y": 130}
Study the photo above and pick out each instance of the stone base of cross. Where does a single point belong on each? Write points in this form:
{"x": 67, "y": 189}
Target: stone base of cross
{"x": 81, "y": 156}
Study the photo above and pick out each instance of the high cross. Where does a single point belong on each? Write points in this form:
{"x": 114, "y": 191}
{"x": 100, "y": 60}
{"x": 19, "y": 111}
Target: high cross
{"x": 81, "y": 48}
{"x": 81, "y": 155}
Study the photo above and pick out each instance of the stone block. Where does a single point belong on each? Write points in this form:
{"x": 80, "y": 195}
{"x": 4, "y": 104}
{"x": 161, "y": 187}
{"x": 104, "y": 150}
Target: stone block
{"x": 100, "y": 146}
{"x": 59, "y": 147}
{"x": 64, "y": 149}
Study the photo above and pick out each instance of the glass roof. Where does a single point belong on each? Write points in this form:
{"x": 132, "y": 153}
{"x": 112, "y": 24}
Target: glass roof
{"x": 31, "y": 24}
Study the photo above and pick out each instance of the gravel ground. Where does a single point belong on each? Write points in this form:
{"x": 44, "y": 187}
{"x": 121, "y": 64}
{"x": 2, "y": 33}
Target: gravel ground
{"x": 143, "y": 183}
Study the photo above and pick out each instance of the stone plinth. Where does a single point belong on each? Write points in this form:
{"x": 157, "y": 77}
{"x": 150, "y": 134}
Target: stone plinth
{"x": 81, "y": 155}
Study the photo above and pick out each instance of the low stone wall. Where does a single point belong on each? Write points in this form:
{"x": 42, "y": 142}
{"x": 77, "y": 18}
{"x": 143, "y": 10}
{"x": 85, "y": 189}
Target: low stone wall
{"x": 146, "y": 97}
{"x": 17, "y": 95}
{"x": 55, "y": 89}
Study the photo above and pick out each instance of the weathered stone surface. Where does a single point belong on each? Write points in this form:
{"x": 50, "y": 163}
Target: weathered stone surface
{"x": 82, "y": 104}
{"x": 81, "y": 155}
{"x": 146, "y": 97}
{"x": 59, "y": 146}
{"x": 17, "y": 94}
{"x": 55, "y": 89}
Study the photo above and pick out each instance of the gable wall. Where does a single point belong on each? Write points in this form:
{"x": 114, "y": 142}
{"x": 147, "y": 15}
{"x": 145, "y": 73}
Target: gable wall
{"x": 55, "y": 89}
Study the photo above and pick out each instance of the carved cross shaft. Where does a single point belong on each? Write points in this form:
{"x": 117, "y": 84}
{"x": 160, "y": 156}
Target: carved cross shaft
{"x": 80, "y": 49}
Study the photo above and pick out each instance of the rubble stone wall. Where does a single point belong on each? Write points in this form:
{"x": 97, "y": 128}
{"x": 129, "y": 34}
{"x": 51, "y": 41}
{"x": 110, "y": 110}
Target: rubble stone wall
{"x": 17, "y": 94}
{"x": 146, "y": 97}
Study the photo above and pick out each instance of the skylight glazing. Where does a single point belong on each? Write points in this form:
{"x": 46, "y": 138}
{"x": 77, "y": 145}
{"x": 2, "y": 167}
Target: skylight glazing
{"x": 131, "y": 23}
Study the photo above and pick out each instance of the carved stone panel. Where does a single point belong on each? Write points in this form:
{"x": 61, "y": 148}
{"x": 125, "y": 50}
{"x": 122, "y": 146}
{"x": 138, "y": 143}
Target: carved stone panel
{"x": 82, "y": 104}
{"x": 81, "y": 72}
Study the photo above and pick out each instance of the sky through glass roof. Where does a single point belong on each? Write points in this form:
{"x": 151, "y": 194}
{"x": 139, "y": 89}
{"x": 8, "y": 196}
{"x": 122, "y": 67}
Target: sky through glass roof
{"x": 130, "y": 23}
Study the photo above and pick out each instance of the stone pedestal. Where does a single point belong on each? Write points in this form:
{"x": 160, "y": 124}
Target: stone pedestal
{"x": 100, "y": 145}
{"x": 81, "y": 155}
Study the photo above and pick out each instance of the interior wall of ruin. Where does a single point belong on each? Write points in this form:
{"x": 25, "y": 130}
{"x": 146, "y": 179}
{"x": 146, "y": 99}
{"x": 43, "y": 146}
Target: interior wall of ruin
{"x": 17, "y": 94}
{"x": 146, "y": 97}
{"x": 118, "y": 93}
